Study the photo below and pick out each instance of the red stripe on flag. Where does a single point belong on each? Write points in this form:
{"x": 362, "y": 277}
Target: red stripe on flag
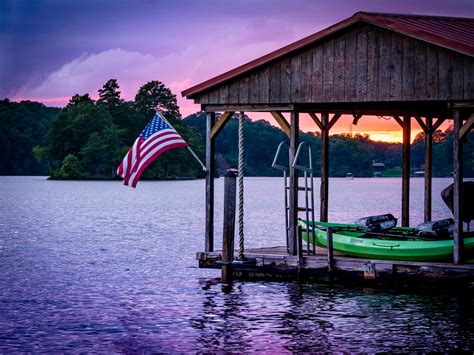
{"x": 150, "y": 159}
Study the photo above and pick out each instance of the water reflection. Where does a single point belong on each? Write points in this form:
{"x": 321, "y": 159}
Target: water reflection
{"x": 95, "y": 267}
{"x": 325, "y": 318}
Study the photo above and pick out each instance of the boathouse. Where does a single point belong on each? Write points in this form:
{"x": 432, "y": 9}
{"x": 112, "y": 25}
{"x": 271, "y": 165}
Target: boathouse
{"x": 406, "y": 67}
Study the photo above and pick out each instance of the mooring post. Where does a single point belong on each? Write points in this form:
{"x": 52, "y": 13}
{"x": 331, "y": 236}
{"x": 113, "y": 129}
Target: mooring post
{"x": 293, "y": 195}
{"x": 299, "y": 246}
{"x": 457, "y": 198}
{"x": 406, "y": 171}
{"x": 428, "y": 166}
{"x": 229, "y": 225}
{"x": 330, "y": 248}
{"x": 324, "y": 192}
{"x": 210, "y": 166}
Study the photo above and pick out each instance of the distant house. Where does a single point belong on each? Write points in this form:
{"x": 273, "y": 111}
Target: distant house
{"x": 378, "y": 166}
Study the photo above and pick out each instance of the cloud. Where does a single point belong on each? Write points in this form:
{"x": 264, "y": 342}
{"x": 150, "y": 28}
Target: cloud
{"x": 178, "y": 70}
{"x": 88, "y": 72}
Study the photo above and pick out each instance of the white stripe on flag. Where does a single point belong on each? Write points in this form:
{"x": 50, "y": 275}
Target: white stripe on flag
{"x": 150, "y": 154}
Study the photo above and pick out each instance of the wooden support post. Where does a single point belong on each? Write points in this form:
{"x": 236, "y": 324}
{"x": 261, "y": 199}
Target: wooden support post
{"x": 458, "y": 179}
{"x": 210, "y": 166}
{"x": 428, "y": 166}
{"x": 299, "y": 244}
{"x": 229, "y": 225}
{"x": 406, "y": 171}
{"x": 324, "y": 192}
{"x": 293, "y": 203}
{"x": 330, "y": 249}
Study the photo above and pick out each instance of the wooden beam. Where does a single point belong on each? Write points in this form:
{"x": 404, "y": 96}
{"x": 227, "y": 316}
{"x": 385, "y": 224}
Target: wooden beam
{"x": 333, "y": 120}
{"x": 357, "y": 116}
{"x": 293, "y": 202}
{"x": 210, "y": 166}
{"x": 247, "y": 108}
{"x": 281, "y": 120}
{"x": 399, "y": 120}
{"x": 428, "y": 167}
{"x": 225, "y": 117}
{"x": 324, "y": 192}
{"x": 406, "y": 171}
{"x": 458, "y": 179}
{"x": 421, "y": 123}
{"x": 316, "y": 120}
{"x": 466, "y": 127}
{"x": 438, "y": 123}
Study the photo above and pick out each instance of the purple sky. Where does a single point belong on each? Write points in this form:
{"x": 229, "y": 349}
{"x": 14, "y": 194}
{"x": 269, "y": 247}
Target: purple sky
{"x": 52, "y": 49}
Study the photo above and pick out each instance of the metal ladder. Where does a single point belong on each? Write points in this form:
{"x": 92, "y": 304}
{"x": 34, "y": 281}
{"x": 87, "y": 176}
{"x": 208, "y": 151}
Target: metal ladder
{"x": 308, "y": 189}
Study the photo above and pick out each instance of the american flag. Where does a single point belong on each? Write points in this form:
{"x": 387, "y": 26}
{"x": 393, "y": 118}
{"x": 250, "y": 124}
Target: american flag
{"x": 157, "y": 137}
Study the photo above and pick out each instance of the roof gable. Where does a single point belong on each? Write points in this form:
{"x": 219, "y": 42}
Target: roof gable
{"x": 456, "y": 34}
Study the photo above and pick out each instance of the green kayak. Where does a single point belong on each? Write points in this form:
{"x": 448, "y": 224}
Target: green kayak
{"x": 398, "y": 243}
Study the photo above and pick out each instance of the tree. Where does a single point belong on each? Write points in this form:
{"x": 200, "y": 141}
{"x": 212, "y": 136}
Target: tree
{"x": 70, "y": 168}
{"x": 109, "y": 94}
{"x": 154, "y": 95}
{"x": 77, "y": 99}
{"x": 112, "y": 136}
{"x": 94, "y": 154}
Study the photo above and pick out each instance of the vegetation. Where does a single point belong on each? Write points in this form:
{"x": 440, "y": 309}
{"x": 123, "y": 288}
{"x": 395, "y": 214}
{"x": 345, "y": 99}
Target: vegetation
{"x": 22, "y": 127}
{"x": 347, "y": 152}
{"x": 88, "y": 139}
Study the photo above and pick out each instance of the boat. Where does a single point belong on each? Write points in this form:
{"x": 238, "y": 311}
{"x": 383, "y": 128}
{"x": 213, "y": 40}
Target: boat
{"x": 394, "y": 243}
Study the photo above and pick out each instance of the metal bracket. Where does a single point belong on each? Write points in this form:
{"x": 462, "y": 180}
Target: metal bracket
{"x": 369, "y": 270}
{"x": 309, "y": 168}
{"x": 275, "y": 164}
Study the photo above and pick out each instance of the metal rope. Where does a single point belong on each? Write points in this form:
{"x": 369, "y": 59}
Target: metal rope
{"x": 241, "y": 186}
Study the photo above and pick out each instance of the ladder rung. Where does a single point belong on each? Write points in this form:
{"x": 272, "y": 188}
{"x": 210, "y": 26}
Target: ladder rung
{"x": 300, "y": 188}
{"x": 304, "y": 209}
{"x": 301, "y": 209}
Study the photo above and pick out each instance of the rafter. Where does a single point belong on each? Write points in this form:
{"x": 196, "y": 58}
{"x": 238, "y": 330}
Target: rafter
{"x": 316, "y": 120}
{"x": 281, "y": 120}
{"x": 225, "y": 117}
{"x": 466, "y": 127}
{"x": 333, "y": 120}
{"x": 399, "y": 120}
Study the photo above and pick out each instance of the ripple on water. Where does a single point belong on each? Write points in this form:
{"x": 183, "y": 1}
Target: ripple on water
{"x": 94, "y": 266}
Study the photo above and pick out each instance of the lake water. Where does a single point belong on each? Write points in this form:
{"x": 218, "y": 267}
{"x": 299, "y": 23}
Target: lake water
{"x": 96, "y": 266}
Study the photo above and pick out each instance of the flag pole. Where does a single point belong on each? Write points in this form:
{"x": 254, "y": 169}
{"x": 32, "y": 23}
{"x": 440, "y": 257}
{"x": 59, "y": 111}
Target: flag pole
{"x": 187, "y": 146}
{"x": 196, "y": 157}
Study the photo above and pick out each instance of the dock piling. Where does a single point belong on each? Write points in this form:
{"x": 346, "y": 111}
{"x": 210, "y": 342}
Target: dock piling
{"x": 229, "y": 225}
{"x": 330, "y": 250}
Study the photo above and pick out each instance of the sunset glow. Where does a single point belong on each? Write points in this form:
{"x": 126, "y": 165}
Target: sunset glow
{"x": 54, "y": 58}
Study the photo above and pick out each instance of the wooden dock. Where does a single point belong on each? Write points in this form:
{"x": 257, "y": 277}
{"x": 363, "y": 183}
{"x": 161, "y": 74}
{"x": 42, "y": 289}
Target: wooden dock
{"x": 275, "y": 263}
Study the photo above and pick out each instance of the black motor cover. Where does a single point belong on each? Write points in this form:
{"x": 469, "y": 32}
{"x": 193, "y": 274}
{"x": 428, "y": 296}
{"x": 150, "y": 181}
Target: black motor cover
{"x": 376, "y": 223}
{"x": 436, "y": 229}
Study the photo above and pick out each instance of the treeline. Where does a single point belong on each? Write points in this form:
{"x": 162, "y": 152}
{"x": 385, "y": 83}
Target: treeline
{"x": 88, "y": 139}
{"x": 23, "y": 126}
{"x": 347, "y": 152}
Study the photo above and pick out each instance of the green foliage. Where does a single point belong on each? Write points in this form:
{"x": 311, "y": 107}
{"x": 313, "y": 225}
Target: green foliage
{"x": 22, "y": 127}
{"x": 70, "y": 168}
{"x": 110, "y": 94}
{"x": 89, "y": 139}
{"x": 155, "y": 96}
{"x": 348, "y": 153}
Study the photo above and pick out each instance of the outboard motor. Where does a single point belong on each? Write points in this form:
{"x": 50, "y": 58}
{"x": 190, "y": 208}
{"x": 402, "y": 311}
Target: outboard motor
{"x": 436, "y": 229}
{"x": 376, "y": 223}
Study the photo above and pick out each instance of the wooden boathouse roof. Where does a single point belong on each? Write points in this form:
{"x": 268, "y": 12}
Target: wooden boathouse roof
{"x": 367, "y": 57}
